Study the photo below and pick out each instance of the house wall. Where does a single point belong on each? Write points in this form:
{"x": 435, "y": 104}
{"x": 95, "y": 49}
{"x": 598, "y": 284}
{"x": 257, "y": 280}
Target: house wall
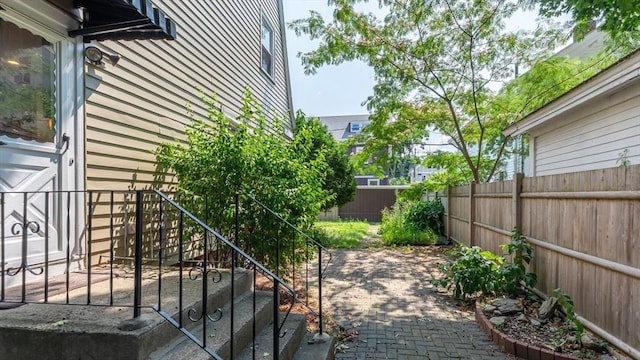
{"x": 585, "y": 231}
{"x": 140, "y": 103}
{"x": 595, "y": 136}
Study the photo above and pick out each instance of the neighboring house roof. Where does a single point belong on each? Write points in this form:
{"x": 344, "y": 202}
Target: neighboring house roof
{"x": 590, "y": 45}
{"x": 340, "y": 126}
{"x": 621, "y": 74}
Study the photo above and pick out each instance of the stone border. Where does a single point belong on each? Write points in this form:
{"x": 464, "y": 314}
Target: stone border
{"x": 514, "y": 347}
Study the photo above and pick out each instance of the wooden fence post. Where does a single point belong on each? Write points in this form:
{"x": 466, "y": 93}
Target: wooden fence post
{"x": 472, "y": 213}
{"x": 517, "y": 202}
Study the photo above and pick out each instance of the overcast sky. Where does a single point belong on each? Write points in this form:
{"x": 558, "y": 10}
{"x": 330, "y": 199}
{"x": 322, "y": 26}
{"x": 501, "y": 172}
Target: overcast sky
{"x": 341, "y": 89}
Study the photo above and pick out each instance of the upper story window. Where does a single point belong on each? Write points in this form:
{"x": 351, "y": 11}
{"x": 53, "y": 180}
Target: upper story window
{"x": 355, "y": 127}
{"x": 267, "y": 48}
{"x": 27, "y": 84}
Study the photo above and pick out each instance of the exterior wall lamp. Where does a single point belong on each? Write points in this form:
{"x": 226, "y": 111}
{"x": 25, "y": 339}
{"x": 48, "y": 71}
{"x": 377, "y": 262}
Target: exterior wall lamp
{"x": 97, "y": 56}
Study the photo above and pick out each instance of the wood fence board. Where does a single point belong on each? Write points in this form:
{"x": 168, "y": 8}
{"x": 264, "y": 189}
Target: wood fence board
{"x": 621, "y": 299}
{"x": 632, "y": 179}
{"x": 585, "y": 227}
{"x": 634, "y": 313}
{"x": 603, "y": 299}
{"x": 593, "y": 231}
{"x": 633, "y": 246}
{"x": 587, "y": 293}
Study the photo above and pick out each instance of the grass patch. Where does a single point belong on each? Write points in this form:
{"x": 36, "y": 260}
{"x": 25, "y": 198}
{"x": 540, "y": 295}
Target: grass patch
{"x": 397, "y": 231}
{"x": 340, "y": 234}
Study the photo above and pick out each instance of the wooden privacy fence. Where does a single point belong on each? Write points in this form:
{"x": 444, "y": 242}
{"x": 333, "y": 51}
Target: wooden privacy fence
{"x": 585, "y": 229}
{"x": 369, "y": 202}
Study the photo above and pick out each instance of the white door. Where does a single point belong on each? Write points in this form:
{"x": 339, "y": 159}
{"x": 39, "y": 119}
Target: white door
{"x": 33, "y": 120}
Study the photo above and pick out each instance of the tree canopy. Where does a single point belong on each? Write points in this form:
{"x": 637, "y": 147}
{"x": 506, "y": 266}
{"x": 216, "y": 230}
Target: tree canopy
{"x": 312, "y": 141}
{"x": 618, "y": 17}
{"x": 436, "y": 65}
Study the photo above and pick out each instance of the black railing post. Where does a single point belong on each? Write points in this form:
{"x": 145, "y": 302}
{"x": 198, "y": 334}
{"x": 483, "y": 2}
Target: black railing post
{"x": 320, "y": 322}
{"x": 137, "y": 291}
{"x": 293, "y": 258}
{"x": 276, "y": 320}
{"x": 237, "y": 230}
{"x": 320, "y": 337}
{"x": 278, "y": 256}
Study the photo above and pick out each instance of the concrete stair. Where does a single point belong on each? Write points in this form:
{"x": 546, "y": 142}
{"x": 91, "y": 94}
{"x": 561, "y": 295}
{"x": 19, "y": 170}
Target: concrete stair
{"x": 35, "y": 331}
{"x": 247, "y": 305}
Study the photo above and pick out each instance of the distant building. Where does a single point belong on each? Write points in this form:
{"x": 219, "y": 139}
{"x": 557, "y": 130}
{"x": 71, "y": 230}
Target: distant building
{"x": 342, "y": 127}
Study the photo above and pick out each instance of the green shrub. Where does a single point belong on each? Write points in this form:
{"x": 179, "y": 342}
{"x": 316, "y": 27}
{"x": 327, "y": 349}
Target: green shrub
{"x": 472, "y": 271}
{"x": 424, "y": 215}
{"x": 515, "y": 272}
{"x": 396, "y": 230}
{"x": 220, "y": 159}
{"x": 475, "y": 271}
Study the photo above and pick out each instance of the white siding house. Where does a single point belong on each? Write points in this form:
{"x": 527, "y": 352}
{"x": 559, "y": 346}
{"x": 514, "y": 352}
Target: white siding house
{"x": 89, "y": 88}
{"x": 596, "y": 125}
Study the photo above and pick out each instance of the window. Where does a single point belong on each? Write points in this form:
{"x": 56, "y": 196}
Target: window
{"x": 356, "y": 127}
{"x": 267, "y": 48}
{"x": 27, "y": 84}
{"x": 373, "y": 182}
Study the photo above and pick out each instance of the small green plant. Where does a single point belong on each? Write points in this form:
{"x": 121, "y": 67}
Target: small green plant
{"x": 397, "y": 231}
{"x": 566, "y": 301}
{"x": 515, "y": 273}
{"x": 472, "y": 271}
{"x": 623, "y": 159}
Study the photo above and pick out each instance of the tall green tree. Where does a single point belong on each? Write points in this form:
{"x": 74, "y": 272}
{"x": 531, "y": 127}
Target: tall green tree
{"x": 435, "y": 63}
{"x": 618, "y": 17}
{"x": 313, "y": 142}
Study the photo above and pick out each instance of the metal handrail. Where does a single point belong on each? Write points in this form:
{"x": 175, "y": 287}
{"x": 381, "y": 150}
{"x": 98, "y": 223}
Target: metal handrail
{"x": 321, "y": 271}
{"x": 154, "y": 221}
{"x": 236, "y": 250}
{"x": 305, "y": 235}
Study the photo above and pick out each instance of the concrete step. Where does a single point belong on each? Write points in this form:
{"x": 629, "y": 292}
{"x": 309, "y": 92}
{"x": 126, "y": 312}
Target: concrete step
{"x": 219, "y": 296}
{"x": 294, "y": 330}
{"x": 311, "y": 348}
{"x": 218, "y": 335}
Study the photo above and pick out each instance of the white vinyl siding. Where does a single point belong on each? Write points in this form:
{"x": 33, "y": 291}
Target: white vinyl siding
{"x": 592, "y": 137}
{"x": 139, "y": 104}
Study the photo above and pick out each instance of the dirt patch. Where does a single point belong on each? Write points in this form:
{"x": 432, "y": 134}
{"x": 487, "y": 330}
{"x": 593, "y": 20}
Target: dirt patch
{"x": 555, "y": 334}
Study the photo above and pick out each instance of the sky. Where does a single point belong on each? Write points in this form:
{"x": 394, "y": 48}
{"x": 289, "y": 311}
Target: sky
{"x": 339, "y": 89}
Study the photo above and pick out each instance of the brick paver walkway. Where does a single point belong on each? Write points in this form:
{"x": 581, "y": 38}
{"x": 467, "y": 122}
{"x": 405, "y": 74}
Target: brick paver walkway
{"x": 386, "y": 296}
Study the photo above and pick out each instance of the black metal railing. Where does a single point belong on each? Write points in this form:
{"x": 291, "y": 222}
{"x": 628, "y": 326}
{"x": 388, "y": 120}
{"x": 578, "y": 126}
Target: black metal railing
{"x": 211, "y": 239}
{"x": 56, "y": 246}
{"x": 309, "y": 248}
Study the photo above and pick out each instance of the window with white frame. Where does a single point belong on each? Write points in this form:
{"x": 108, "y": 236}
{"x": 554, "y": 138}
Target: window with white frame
{"x": 267, "y": 41}
{"x": 373, "y": 182}
{"x": 27, "y": 84}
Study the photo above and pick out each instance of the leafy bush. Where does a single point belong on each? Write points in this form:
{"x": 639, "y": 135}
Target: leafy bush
{"x": 423, "y": 215}
{"x": 473, "y": 270}
{"x": 515, "y": 272}
{"x": 221, "y": 159}
{"x": 397, "y": 230}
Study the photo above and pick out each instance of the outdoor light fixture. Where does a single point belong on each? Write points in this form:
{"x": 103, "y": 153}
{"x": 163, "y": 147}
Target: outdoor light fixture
{"x": 95, "y": 56}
